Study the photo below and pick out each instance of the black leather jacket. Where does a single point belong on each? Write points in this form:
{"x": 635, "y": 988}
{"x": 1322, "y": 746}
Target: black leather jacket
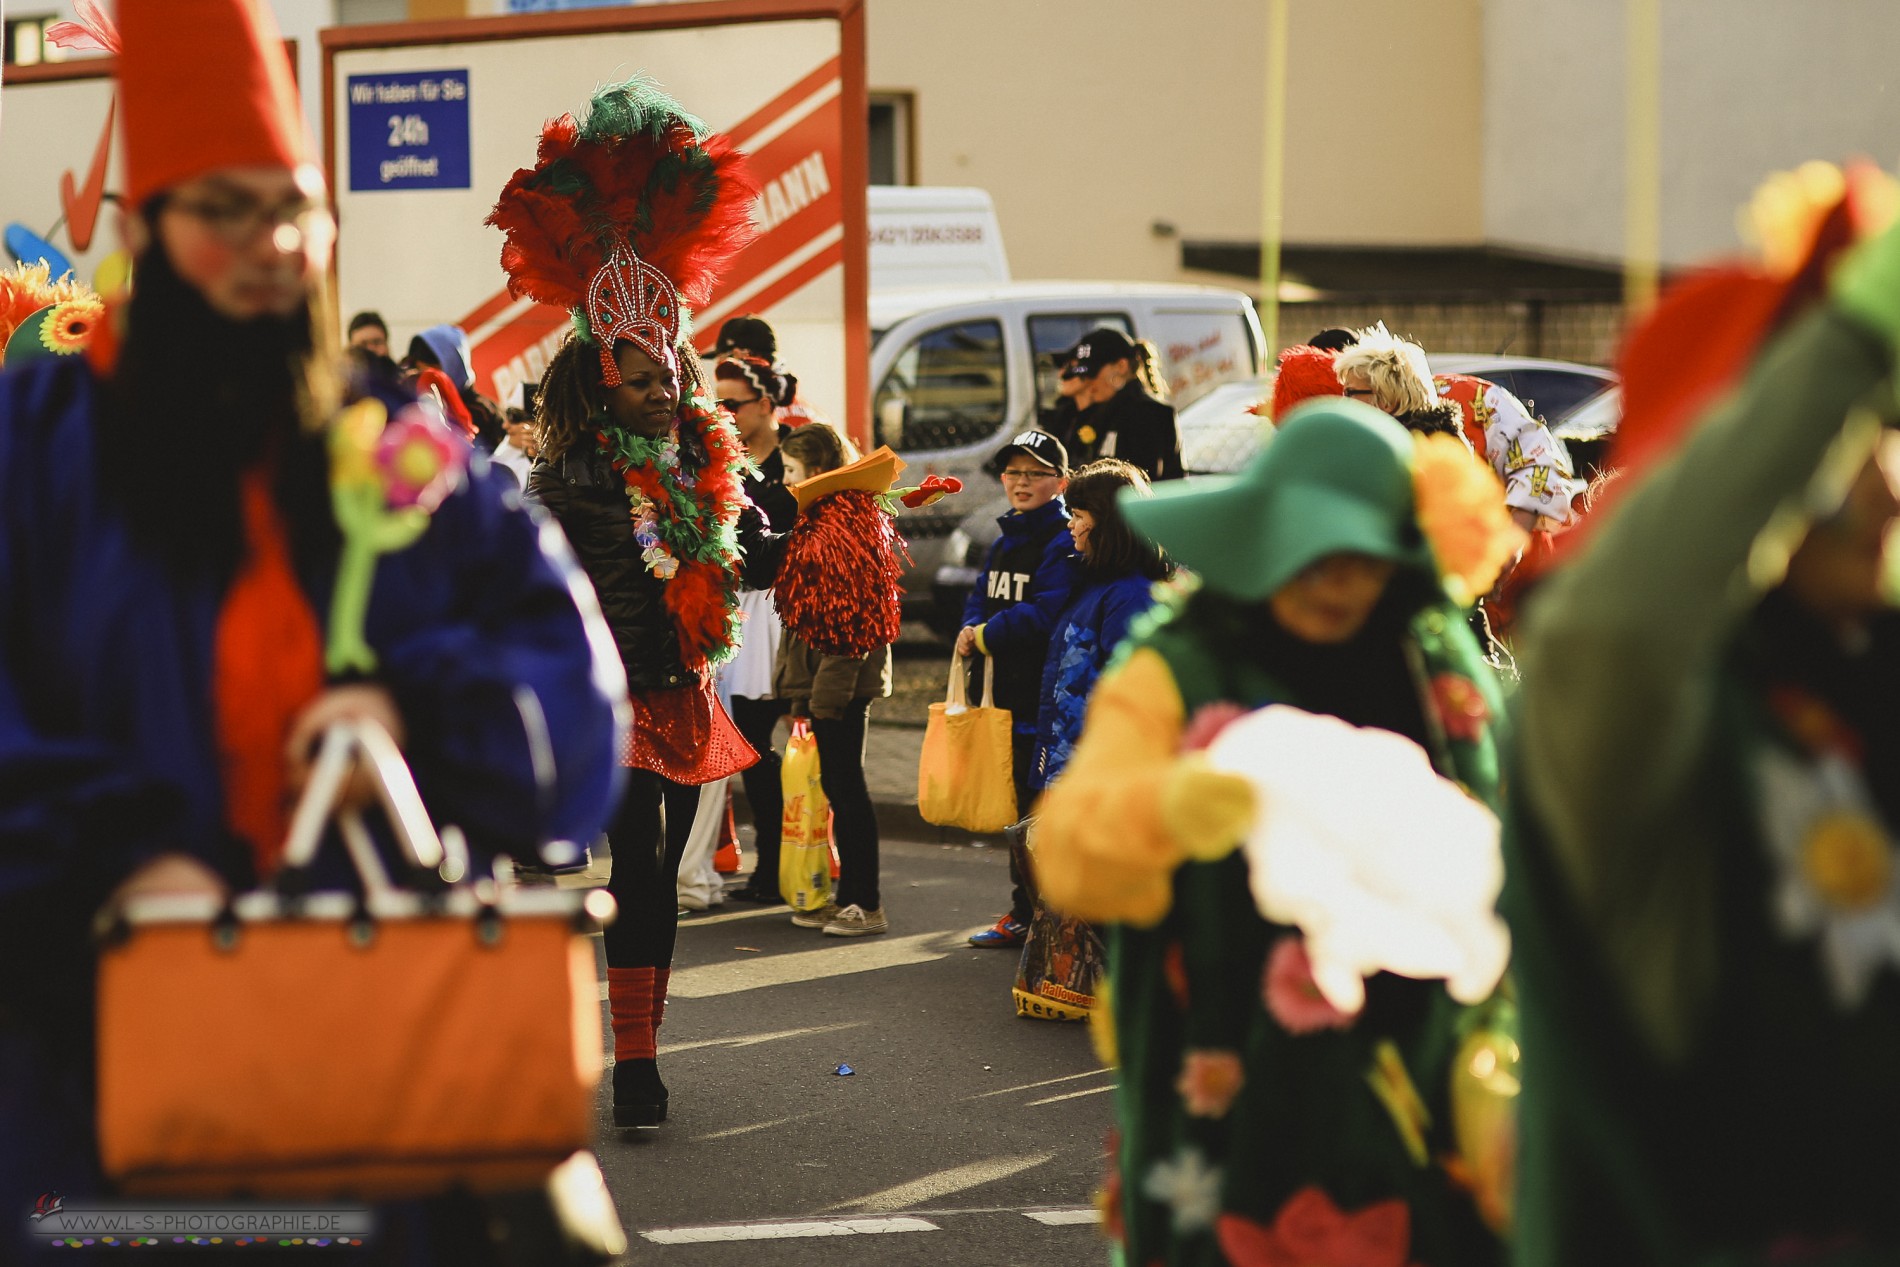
{"x": 588, "y": 498}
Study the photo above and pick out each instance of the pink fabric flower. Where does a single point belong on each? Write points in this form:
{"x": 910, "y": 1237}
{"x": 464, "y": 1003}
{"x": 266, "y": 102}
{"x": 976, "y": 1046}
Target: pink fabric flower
{"x": 1461, "y": 707}
{"x": 1209, "y": 1082}
{"x": 1292, "y": 997}
{"x": 420, "y": 460}
{"x": 1208, "y": 721}
{"x": 1310, "y": 1231}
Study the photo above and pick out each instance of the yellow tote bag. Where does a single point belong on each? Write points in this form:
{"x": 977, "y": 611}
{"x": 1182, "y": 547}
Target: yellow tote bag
{"x": 804, "y": 852}
{"x": 966, "y": 776}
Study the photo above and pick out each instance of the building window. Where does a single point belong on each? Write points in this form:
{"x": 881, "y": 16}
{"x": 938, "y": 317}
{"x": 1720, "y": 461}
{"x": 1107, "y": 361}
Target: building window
{"x": 26, "y": 41}
{"x": 893, "y": 138}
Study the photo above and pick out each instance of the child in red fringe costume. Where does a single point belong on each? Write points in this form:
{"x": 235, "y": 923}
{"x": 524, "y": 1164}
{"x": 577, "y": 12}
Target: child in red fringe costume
{"x": 837, "y": 594}
{"x": 627, "y": 216}
{"x": 842, "y": 548}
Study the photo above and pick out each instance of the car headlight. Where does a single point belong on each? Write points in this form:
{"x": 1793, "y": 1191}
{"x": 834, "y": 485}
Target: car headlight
{"x": 957, "y": 546}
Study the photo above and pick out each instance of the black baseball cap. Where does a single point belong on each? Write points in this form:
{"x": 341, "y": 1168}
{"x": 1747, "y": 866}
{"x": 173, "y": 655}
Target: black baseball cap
{"x": 747, "y": 334}
{"x": 1039, "y": 445}
{"x": 1098, "y": 347}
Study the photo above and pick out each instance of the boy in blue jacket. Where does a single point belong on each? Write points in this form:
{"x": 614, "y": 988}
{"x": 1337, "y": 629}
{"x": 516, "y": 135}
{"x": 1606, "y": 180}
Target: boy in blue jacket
{"x": 1026, "y": 581}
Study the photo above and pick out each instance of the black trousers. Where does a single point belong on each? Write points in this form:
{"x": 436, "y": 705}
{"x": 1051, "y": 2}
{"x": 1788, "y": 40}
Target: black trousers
{"x": 841, "y": 774}
{"x": 757, "y": 719}
{"x": 648, "y": 837}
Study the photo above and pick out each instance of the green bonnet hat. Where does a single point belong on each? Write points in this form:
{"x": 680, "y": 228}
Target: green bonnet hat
{"x": 1336, "y": 477}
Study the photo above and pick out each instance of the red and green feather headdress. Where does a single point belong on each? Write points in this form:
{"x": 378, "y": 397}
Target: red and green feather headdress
{"x": 628, "y": 215}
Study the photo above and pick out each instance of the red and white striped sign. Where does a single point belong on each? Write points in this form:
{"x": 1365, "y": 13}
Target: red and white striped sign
{"x": 795, "y": 145}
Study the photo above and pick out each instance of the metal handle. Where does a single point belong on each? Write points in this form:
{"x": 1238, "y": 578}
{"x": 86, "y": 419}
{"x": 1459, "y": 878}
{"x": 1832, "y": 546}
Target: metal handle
{"x": 395, "y": 788}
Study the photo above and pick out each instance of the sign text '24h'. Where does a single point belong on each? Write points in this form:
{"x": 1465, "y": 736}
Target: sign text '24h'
{"x": 409, "y": 130}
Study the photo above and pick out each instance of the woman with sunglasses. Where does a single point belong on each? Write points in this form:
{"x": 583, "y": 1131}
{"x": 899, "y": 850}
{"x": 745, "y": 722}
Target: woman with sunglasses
{"x": 753, "y": 390}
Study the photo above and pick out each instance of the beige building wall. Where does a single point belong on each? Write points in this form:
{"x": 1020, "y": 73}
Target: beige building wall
{"x": 1748, "y": 87}
{"x": 1091, "y": 124}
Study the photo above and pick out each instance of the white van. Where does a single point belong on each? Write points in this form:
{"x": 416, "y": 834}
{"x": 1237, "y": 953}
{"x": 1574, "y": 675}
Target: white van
{"x": 956, "y": 371}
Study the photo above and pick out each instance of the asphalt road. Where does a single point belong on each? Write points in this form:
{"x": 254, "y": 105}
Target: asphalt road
{"x": 964, "y": 1135}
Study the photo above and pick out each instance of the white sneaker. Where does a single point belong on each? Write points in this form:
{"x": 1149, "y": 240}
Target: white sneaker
{"x": 855, "y": 921}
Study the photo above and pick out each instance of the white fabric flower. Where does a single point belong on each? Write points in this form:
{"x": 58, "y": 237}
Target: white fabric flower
{"x": 1188, "y": 1186}
{"x": 1385, "y": 865}
{"x": 1837, "y": 876}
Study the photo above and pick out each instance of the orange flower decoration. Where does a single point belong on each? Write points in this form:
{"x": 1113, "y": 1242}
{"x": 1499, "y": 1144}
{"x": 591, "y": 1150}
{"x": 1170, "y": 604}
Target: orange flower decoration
{"x": 1462, "y": 514}
{"x": 1209, "y": 1082}
{"x": 70, "y": 325}
{"x": 27, "y": 288}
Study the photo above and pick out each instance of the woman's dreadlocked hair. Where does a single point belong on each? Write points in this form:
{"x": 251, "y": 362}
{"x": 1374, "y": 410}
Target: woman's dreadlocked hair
{"x": 572, "y": 398}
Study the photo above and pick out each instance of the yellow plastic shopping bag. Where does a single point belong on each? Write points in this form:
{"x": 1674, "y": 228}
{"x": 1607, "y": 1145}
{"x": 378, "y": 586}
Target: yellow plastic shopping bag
{"x": 804, "y": 855}
{"x": 966, "y": 777}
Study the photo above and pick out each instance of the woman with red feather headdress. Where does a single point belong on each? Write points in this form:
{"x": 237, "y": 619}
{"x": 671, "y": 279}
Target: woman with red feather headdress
{"x": 629, "y": 214}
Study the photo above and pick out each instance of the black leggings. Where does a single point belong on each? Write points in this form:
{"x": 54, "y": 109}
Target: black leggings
{"x": 648, "y": 837}
{"x": 841, "y": 774}
{"x": 757, "y": 719}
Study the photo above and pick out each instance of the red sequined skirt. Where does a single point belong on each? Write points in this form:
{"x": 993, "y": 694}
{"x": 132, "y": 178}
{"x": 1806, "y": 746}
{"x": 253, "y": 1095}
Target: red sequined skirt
{"x": 684, "y": 734}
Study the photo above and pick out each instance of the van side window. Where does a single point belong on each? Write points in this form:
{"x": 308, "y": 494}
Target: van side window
{"x": 1058, "y": 332}
{"x": 949, "y": 388}
{"x": 1201, "y": 350}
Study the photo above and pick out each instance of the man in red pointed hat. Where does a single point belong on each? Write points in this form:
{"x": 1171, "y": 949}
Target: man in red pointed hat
{"x": 171, "y": 547}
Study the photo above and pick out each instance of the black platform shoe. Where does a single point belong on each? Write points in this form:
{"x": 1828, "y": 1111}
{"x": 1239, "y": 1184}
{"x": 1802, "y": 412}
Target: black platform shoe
{"x": 639, "y": 1095}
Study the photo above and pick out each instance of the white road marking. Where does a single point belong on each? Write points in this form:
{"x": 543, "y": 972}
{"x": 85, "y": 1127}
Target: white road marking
{"x": 1064, "y": 1218}
{"x": 1046, "y": 1082}
{"x": 944, "y": 1182}
{"x": 1073, "y": 1095}
{"x": 843, "y": 957}
{"x": 785, "y": 1231}
{"x": 753, "y": 1040}
{"x": 730, "y": 1132}
{"x": 706, "y": 921}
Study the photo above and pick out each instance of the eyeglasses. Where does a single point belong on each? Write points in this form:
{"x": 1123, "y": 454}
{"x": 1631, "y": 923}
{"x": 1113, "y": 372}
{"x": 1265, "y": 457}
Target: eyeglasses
{"x": 238, "y": 222}
{"x": 1356, "y": 392}
{"x": 734, "y": 406}
{"x": 1029, "y": 475}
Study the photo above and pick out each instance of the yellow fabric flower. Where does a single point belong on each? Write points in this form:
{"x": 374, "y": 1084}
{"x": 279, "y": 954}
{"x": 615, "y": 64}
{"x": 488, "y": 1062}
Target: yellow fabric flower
{"x": 1461, "y": 511}
{"x": 68, "y": 328}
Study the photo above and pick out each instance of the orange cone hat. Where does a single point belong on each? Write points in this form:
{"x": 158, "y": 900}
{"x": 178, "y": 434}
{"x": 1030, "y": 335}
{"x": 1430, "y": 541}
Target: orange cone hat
{"x": 205, "y": 84}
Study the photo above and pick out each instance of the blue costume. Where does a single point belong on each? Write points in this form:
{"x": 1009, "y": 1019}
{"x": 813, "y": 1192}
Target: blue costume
{"x": 1086, "y": 637}
{"x": 488, "y": 639}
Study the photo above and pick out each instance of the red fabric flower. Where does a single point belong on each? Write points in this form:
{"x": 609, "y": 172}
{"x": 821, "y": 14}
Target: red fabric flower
{"x": 1292, "y": 997}
{"x": 1310, "y": 1231}
{"x": 1461, "y": 707}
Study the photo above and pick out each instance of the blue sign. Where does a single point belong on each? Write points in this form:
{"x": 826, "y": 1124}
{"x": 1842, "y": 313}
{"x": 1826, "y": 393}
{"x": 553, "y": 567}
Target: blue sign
{"x": 409, "y": 131}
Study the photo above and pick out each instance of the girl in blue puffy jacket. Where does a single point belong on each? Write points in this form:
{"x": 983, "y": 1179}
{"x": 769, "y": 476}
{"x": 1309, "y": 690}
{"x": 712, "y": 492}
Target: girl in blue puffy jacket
{"x": 1119, "y": 570}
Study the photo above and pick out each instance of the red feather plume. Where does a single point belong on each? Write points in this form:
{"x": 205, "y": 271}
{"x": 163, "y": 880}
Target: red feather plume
{"x": 637, "y": 167}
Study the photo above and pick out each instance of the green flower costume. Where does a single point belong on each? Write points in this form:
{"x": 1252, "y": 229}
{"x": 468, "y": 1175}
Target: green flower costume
{"x": 1703, "y": 876}
{"x": 1256, "y": 1125}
